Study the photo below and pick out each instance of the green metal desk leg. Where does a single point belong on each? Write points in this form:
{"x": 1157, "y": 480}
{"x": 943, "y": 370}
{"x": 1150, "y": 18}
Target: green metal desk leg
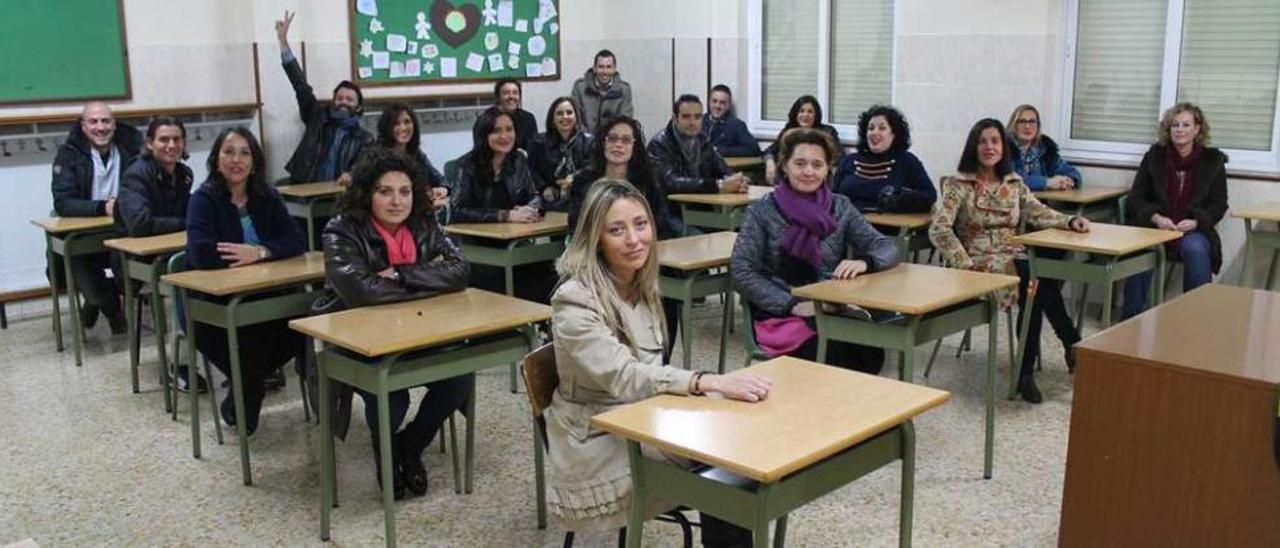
{"x": 326, "y": 448}
{"x": 193, "y": 395}
{"x": 237, "y": 388}
{"x": 639, "y": 492}
{"x": 1108, "y": 289}
{"x": 1161, "y": 261}
{"x": 906, "y": 359}
{"x": 1275, "y": 266}
{"x": 311, "y": 229}
{"x": 384, "y": 445}
{"x": 822, "y": 339}
{"x": 993, "y": 329}
{"x": 725, "y": 322}
{"x": 54, "y": 288}
{"x": 1023, "y": 329}
{"x": 131, "y": 320}
{"x": 760, "y": 525}
{"x": 906, "y": 510}
{"x": 73, "y": 301}
{"x": 539, "y": 476}
{"x": 509, "y": 274}
{"x": 780, "y": 532}
{"x": 470, "y": 465}
{"x": 161, "y": 321}
{"x": 1246, "y": 275}
{"x": 686, "y": 318}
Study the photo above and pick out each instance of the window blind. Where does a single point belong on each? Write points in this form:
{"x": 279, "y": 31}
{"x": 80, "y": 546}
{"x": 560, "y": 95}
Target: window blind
{"x": 1118, "y": 70}
{"x": 790, "y": 53}
{"x": 861, "y": 57}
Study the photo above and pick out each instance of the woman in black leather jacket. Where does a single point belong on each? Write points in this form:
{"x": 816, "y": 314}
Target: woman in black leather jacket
{"x": 385, "y": 246}
{"x": 558, "y": 153}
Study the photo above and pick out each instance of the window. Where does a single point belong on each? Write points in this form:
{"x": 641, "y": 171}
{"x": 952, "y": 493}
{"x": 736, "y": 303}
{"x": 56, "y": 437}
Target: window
{"x": 840, "y": 51}
{"x": 1129, "y": 61}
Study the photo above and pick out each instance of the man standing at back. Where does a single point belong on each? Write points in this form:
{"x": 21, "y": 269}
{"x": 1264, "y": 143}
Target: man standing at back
{"x": 727, "y": 133}
{"x": 86, "y": 180}
{"x": 333, "y": 137}
{"x": 601, "y": 92}
{"x": 509, "y": 94}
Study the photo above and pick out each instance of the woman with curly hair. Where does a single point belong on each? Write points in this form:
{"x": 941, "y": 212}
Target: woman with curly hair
{"x": 883, "y": 175}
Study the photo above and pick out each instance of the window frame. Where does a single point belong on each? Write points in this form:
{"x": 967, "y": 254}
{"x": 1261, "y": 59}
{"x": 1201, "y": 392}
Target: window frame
{"x": 1242, "y": 160}
{"x": 762, "y": 128}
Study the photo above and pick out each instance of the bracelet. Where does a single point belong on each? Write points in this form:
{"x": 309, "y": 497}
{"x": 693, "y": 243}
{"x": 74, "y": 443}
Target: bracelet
{"x": 695, "y": 387}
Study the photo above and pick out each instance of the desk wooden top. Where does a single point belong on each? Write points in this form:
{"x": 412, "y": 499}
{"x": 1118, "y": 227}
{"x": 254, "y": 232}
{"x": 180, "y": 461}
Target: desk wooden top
{"x": 255, "y": 277}
{"x": 730, "y": 199}
{"x": 1104, "y": 238}
{"x": 311, "y": 190}
{"x": 813, "y": 412}
{"x": 151, "y": 245}
{"x": 400, "y": 327}
{"x": 909, "y": 221}
{"x": 552, "y": 223}
{"x": 745, "y": 162}
{"x": 1216, "y": 329}
{"x": 1080, "y": 196}
{"x": 697, "y": 252}
{"x": 1269, "y": 211}
{"x": 908, "y": 288}
{"x": 63, "y": 225}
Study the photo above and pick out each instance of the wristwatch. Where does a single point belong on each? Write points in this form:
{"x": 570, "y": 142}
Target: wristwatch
{"x": 395, "y": 275}
{"x": 262, "y": 253}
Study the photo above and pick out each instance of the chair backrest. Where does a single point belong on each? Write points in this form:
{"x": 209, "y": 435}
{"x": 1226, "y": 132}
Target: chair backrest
{"x": 540, "y": 378}
{"x": 749, "y": 332}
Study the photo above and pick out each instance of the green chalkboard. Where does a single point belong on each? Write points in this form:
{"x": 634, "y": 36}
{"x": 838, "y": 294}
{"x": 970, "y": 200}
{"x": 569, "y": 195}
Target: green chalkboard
{"x": 399, "y": 42}
{"x": 62, "y": 50}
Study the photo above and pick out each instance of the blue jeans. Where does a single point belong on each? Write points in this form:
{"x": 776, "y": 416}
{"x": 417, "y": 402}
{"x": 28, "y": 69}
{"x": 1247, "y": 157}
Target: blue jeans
{"x": 1196, "y": 271}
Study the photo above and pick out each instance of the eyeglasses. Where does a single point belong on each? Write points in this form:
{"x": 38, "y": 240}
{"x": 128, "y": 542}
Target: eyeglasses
{"x": 1182, "y": 125}
{"x": 1028, "y": 122}
{"x": 619, "y": 139}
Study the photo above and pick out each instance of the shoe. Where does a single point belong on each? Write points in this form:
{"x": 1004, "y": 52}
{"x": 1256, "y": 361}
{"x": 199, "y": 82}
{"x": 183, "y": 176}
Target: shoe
{"x": 119, "y": 325}
{"x": 397, "y": 474}
{"x": 181, "y": 382}
{"x": 274, "y": 381}
{"x": 415, "y": 474}
{"x": 228, "y": 409}
{"x": 1028, "y": 390}
{"x": 1069, "y": 355}
{"x": 88, "y": 316}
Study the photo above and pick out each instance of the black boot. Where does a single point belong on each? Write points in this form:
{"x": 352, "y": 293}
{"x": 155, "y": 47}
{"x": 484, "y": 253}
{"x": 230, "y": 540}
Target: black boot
{"x": 1027, "y": 388}
{"x": 397, "y": 474}
{"x": 1069, "y": 355}
{"x": 410, "y": 458}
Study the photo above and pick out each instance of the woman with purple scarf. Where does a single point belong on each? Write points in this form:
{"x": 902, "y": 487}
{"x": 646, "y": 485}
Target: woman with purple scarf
{"x": 796, "y": 236}
{"x": 1180, "y": 185}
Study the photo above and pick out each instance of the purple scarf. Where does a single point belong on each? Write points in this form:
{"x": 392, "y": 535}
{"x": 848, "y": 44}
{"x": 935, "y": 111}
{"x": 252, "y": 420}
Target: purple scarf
{"x": 809, "y": 221}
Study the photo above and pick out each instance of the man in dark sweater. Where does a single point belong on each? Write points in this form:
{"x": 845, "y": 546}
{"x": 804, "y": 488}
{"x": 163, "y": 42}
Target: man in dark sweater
{"x": 333, "y": 137}
{"x": 683, "y": 159}
{"x": 86, "y": 180}
{"x": 727, "y": 133}
{"x": 508, "y": 94}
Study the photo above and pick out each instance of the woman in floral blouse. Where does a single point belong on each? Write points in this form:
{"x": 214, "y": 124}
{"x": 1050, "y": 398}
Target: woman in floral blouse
{"x": 978, "y": 215}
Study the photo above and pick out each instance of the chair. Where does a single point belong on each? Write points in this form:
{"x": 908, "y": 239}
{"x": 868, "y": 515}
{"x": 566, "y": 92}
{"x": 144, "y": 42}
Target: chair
{"x": 541, "y": 381}
{"x": 754, "y": 353}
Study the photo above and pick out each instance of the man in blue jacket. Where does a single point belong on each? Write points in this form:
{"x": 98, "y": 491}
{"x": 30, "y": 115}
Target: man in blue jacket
{"x": 333, "y": 137}
{"x": 86, "y": 180}
{"x": 727, "y": 133}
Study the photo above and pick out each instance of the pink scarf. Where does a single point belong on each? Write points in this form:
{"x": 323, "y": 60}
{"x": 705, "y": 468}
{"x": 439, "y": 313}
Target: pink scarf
{"x": 401, "y": 248}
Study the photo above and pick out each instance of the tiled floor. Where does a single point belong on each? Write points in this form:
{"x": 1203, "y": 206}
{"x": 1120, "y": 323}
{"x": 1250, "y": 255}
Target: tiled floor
{"x": 88, "y": 463}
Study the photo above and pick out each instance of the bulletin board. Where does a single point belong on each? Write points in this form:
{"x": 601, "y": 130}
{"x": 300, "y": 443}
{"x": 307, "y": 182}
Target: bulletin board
{"x": 412, "y": 42}
{"x": 69, "y": 50}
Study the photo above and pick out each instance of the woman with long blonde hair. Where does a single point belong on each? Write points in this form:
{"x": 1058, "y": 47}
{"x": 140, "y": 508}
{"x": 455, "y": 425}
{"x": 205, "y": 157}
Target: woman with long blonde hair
{"x": 608, "y": 328}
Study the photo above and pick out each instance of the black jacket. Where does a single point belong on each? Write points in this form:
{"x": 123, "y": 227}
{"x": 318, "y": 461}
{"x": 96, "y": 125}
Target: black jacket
{"x": 1208, "y": 200}
{"x": 354, "y": 253}
{"x": 730, "y": 136}
{"x": 318, "y": 133}
{"x": 152, "y": 202}
{"x": 582, "y": 181}
{"x": 552, "y": 162}
{"x": 679, "y": 174}
{"x": 526, "y": 128}
{"x": 73, "y": 170}
{"x": 476, "y": 200}
{"x": 212, "y": 218}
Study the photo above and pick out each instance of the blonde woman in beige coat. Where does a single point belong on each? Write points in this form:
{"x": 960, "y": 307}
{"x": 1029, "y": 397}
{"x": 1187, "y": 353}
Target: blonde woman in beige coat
{"x": 608, "y": 327}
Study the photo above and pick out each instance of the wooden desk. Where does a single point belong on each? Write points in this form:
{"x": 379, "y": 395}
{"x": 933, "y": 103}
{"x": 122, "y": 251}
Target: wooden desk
{"x": 1095, "y": 204}
{"x": 71, "y": 237}
{"x": 744, "y": 163}
{"x": 1257, "y": 239}
{"x": 789, "y": 457}
{"x": 720, "y": 210}
{"x": 911, "y": 230}
{"x": 311, "y": 201}
{"x": 934, "y": 302}
{"x": 1110, "y": 253}
{"x": 508, "y": 245}
{"x": 382, "y": 349}
{"x": 686, "y": 275}
{"x": 236, "y": 285}
{"x": 145, "y": 260}
{"x": 1190, "y": 462}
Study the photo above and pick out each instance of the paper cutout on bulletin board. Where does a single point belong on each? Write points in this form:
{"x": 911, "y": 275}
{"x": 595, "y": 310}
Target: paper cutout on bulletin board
{"x": 367, "y": 7}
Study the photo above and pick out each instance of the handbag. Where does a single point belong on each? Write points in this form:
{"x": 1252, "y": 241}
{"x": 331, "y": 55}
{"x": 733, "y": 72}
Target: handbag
{"x": 780, "y": 336}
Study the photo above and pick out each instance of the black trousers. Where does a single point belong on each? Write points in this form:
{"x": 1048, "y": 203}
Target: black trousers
{"x": 1048, "y": 303}
{"x": 864, "y": 359}
{"x": 90, "y": 273}
{"x": 263, "y": 349}
{"x": 442, "y": 399}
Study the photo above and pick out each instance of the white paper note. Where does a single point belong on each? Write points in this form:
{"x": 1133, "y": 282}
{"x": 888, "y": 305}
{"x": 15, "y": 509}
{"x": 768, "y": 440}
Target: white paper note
{"x": 367, "y": 7}
{"x": 430, "y": 51}
{"x": 538, "y": 24}
{"x": 495, "y": 62}
{"x": 413, "y": 68}
{"x": 555, "y": 28}
{"x": 448, "y": 67}
{"x": 513, "y": 62}
{"x": 533, "y": 70}
{"x": 537, "y": 45}
{"x": 475, "y": 62}
{"x": 491, "y": 41}
{"x": 397, "y": 69}
{"x": 549, "y": 67}
{"x": 513, "y": 48}
{"x": 366, "y": 73}
{"x": 506, "y": 13}
{"x": 412, "y": 49}
{"x": 381, "y": 60}
{"x": 397, "y": 42}
{"x": 522, "y": 25}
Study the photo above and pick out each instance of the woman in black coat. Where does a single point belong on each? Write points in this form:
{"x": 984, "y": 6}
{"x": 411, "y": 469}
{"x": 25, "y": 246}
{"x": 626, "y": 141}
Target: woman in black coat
{"x": 385, "y": 246}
